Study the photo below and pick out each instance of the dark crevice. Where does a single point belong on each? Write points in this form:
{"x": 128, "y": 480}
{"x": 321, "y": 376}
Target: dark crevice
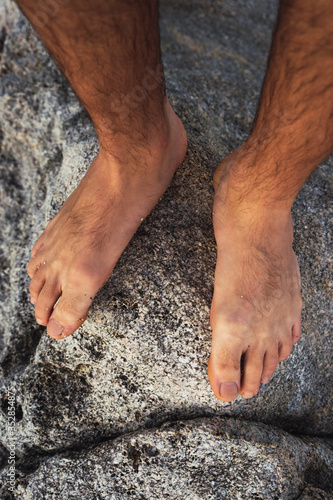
{"x": 319, "y": 475}
{"x": 4, "y": 454}
{"x": 18, "y": 354}
{"x": 3, "y": 35}
{"x": 1, "y": 139}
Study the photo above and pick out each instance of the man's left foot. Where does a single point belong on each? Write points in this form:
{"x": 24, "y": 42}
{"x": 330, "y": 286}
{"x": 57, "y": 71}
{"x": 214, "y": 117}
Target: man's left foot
{"x": 256, "y": 308}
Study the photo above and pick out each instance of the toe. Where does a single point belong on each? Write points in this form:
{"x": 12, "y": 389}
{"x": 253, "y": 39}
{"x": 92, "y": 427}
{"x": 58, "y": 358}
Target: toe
{"x": 47, "y": 298}
{"x": 38, "y": 245}
{"x": 33, "y": 266}
{"x": 285, "y": 348}
{"x": 36, "y": 263}
{"x": 253, "y": 366}
{"x": 271, "y": 360}
{"x": 224, "y": 368}
{"x": 296, "y": 331}
{"x": 36, "y": 285}
{"x": 69, "y": 313}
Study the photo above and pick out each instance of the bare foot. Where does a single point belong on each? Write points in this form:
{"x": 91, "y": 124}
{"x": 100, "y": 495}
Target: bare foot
{"x": 256, "y": 308}
{"x": 79, "y": 248}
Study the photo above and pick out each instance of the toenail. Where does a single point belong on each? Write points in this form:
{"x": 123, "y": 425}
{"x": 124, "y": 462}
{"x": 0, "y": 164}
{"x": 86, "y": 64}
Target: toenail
{"x": 265, "y": 379}
{"x": 228, "y": 389}
{"x": 54, "y": 328}
{"x": 33, "y": 300}
{"x": 247, "y": 395}
{"x": 39, "y": 321}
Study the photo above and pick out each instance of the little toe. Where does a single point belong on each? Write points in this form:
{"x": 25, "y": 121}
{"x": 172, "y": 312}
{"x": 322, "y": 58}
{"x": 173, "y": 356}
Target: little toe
{"x": 224, "y": 369}
{"x": 45, "y": 302}
{"x": 296, "y": 331}
{"x": 253, "y": 366}
{"x": 270, "y": 363}
{"x": 69, "y": 314}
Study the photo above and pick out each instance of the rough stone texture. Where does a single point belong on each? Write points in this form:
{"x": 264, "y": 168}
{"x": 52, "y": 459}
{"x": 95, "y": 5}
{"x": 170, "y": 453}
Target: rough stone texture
{"x": 311, "y": 493}
{"x": 198, "y": 459}
{"x": 140, "y": 359}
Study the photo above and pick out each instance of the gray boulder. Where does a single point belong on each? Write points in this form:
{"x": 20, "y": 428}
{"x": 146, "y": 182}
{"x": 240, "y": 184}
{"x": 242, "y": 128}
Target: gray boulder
{"x": 140, "y": 359}
{"x": 215, "y": 458}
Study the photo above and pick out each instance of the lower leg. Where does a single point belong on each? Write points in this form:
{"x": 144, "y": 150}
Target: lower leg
{"x": 110, "y": 53}
{"x": 256, "y": 307}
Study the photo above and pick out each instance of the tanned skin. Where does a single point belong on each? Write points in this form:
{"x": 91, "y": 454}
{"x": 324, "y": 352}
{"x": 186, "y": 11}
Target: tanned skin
{"x": 110, "y": 53}
{"x": 256, "y": 309}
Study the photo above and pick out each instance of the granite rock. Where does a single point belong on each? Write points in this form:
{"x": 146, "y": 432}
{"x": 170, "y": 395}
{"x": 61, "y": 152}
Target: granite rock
{"x": 140, "y": 359}
{"x": 214, "y": 458}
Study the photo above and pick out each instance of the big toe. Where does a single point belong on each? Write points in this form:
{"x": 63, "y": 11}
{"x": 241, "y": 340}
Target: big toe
{"x": 69, "y": 314}
{"x": 224, "y": 368}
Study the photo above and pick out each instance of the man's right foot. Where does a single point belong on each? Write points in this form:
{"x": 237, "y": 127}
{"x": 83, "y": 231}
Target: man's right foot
{"x": 80, "y": 246}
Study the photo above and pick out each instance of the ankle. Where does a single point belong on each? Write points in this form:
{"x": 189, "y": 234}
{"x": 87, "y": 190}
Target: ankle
{"x": 163, "y": 141}
{"x": 143, "y": 149}
{"x": 155, "y": 156}
{"x": 249, "y": 180}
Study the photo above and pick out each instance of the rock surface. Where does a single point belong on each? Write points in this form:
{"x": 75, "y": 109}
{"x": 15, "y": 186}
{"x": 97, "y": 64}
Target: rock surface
{"x": 140, "y": 359}
{"x": 196, "y": 459}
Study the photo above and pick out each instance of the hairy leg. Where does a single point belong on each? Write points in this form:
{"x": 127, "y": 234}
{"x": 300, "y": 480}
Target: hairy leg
{"x": 256, "y": 308}
{"x": 110, "y": 53}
